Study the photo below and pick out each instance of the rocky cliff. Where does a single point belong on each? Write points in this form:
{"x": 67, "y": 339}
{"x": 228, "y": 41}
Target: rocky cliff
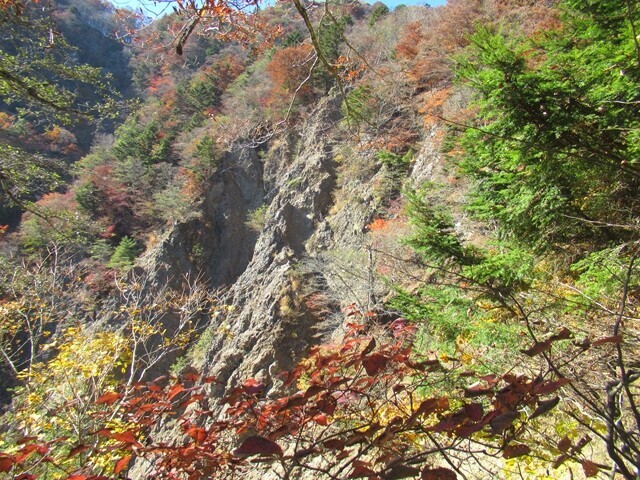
{"x": 267, "y": 275}
{"x": 286, "y": 279}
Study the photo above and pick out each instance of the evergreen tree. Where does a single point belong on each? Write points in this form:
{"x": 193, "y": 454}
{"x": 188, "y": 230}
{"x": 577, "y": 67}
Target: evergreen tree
{"x": 556, "y": 153}
{"x": 124, "y": 254}
{"x": 330, "y": 38}
{"x": 379, "y": 11}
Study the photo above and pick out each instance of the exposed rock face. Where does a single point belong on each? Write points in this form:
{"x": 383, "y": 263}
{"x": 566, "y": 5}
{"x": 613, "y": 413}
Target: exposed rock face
{"x": 217, "y": 244}
{"x": 268, "y": 327}
{"x": 317, "y": 205}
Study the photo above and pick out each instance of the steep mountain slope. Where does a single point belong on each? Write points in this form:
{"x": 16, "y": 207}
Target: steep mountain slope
{"x": 366, "y": 270}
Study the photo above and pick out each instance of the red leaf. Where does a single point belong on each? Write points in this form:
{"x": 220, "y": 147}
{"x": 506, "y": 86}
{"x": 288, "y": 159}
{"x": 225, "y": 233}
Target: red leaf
{"x": 327, "y": 405}
{"x": 544, "y": 406}
{"x": 42, "y": 449}
{"x": 355, "y": 439}
{"x": 338, "y": 381}
{"x": 321, "y": 420}
{"x": 24, "y": 440}
{"x": 517, "y": 450}
{"x": 125, "y": 437}
{"x": 190, "y": 377}
{"x": 563, "y": 334}
{"x": 560, "y": 460}
{"x": 361, "y": 469}
{"x": 305, "y": 452}
{"x": 257, "y": 445}
{"x": 313, "y": 390}
{"x": 295, "y": 401}
{"x": 77, "y": 449}
{"x": 76, "y": 477}
{"x": 175, "y": 390}
{"x": 25, "y": 476}
{"x": 400, "y": 327}
{"x": 446, "y": 425}
{"x": 374, "y": 363}
{"x": 602, "y": 341}
{"x": 551, "y": 386}
{"x": 369, "y": 348}
{"x": 537, "y": 348}
{"x": 343, "y": 454}
{"x": 431, "y": 365}
{"x": 432, "y": 405}
{"x": 159, "y": 379}
{"x": 477, "y": 390}
{"x": 465, "y": 431}
{"x": 6, "y": 463}
{"x": 192, "y": 399}
{"x": 122, "y": 464}
{"x": 590, "y": 469}
{"x": 438, "y": 474}
{"x": 24, "y": 453}
{"x": 253, "y": 386}
{"x": 502, "y": 422}
{"x": 398, "y": 472}
{"x": 198, "y": 434}
{"x": 351, "y": 310}
{"x": 474, "y": 411}
{"x": 565, "y": 444}
{"x": 108, "y": 398}
{"x": 333, "y": 444}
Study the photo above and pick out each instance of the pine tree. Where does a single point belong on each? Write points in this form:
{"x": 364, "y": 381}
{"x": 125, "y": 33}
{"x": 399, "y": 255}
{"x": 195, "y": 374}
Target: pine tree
{"x": 124, "y": 254}
{"x": 555, "y": 153}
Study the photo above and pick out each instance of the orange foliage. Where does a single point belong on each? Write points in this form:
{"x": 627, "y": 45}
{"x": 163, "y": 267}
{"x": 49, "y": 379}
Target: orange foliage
{"x": 192, "y": 183}
{"x": 378, "y": 224}
{"x": 349, "y": 70}
{"x": 432, "y": 108}
{"x": 6, "y": 120}
{"x": 115, "y": 203}
{"x": 289, "y": 71}
{"x": 58, "y": 201}
{"x": 17, "y": 4}
{"x": 407, "y": 47}
{"x": 53, "y": 135}
{"x": 398, "y": 136}
{"x": 427, "y": 49}
{"x": 227, "y": 70}
{"x": 61, "y": 140}
{"x": 160, "y": 85}
{"x": 428, "y": 56}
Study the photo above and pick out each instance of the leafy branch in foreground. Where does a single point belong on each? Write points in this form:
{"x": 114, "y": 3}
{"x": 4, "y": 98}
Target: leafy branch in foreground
{"x": 364, "y": 408}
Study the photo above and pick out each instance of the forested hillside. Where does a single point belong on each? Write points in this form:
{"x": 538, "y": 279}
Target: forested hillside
{"x": 320, "y": 240}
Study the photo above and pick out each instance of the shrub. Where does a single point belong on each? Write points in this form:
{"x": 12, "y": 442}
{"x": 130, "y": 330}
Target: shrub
{"x": 256, "y": 219}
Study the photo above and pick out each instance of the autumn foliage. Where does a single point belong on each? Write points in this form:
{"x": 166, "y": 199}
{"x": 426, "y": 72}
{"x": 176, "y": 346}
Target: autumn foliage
{"x": 290, "y": 73}
{"x": 384, "y": 401}
{"x": 364, "y": 408}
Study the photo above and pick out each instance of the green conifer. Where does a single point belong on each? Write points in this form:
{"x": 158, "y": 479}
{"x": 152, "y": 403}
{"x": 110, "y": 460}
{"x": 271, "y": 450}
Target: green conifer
{"x": 124, "y": 254}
